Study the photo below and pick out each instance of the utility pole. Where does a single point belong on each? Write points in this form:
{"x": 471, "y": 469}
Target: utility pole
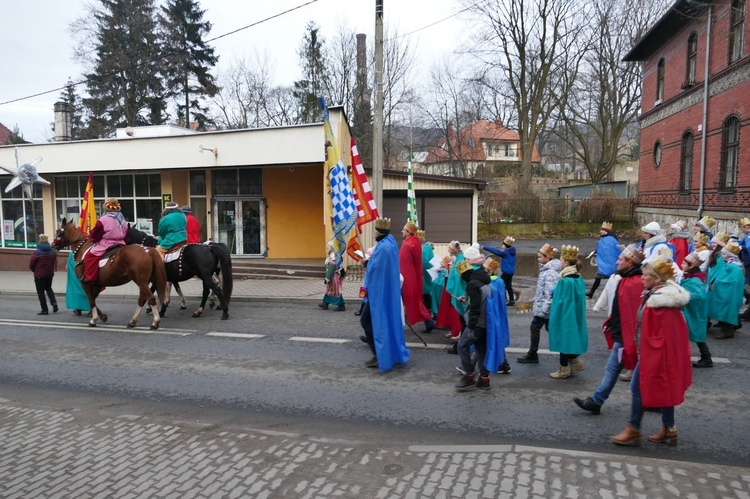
{"x": 377, "y": 126}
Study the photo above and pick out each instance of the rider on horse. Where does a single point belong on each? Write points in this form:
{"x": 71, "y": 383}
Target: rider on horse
{"x": 193, "y": 226}
{"x": 110, "y": 230}
{"x": 172, "y": 229}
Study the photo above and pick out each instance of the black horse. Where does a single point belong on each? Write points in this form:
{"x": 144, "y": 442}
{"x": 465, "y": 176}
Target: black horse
{"x": 196, "y": 260}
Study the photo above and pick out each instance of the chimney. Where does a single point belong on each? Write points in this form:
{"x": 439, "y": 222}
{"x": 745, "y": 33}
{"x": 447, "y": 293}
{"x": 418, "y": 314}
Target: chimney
{"x": 361, "y": 92}
{"x": 62, "y": 122}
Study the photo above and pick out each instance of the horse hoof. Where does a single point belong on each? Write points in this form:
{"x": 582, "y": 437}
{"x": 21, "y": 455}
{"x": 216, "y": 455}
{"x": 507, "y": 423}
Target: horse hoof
{"x": 196, "y": 314}
{"x": 154, "y": 326}
{"x": 225, "y": 316}
{"x": 211, "y": 305}
{"x": 92, "y": 324}
{"x": 104, "y": 318}
{"x": 131, "y": 325}
{"x": 183, "y": 308}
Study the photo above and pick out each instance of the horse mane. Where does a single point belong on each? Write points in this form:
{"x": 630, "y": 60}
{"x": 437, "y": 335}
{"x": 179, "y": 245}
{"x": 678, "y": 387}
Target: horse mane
{"x": 136, "y": 236}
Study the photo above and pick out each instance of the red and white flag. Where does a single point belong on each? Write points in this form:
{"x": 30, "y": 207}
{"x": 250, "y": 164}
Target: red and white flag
{"x": 363, "y": 200}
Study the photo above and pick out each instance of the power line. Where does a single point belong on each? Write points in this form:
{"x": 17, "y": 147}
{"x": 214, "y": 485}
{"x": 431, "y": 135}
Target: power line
{"x": 431, "y": 24}
{"x": 75, "y": 84}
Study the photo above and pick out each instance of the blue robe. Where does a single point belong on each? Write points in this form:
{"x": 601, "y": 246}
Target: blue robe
{"x": 567, "y": 317}
{"x": 726, "y": 284}
{"x": 498, "y": 333}
{"x": 75, "y": 296}
{"x": 383, "y": 288}
{"x": 607, "y": 254}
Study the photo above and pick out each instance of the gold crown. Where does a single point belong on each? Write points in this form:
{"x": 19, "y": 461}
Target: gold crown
{"x": 569, "y": 252}
{"x": 608, "y": 226}
{"x": 706, "y": 223}
{"x": 701, "y": 239}
{"x": 463, "y": 266}
{"x": 491, "y": 265}
{"x": 509, "y": 240}
{"x": 743, "y": 222}
{"x": 666, "y": 252}
{"x": 420, "y": 234}
{"x": 411, "y": 228}
{"x": 722, "y": 238}
{"x": 693, "y": 259}
{"x": 548, "y": 251}
{"x": 633, "y": 254}
{"x": 661, "y": 267}
{"x": 383, "y": 223}
{"x": 732, "y": 247}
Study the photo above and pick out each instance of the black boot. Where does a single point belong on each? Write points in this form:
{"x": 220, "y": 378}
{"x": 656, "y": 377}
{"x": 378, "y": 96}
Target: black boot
{"x": 529, "y": 358}
{"x": 705, "y": 361}
{"x": 588, "y": 405}
{"x": 465, "y": 383}
{"x": 361, "y": 308}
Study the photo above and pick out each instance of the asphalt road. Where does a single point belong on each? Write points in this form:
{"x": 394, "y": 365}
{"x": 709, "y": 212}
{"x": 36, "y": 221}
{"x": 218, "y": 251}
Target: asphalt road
{"x": 196, "y": 369}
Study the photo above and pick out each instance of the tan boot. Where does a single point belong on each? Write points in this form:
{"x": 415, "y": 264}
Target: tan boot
{"x": 629, "y": 437}
{"x": 667, "y": 435}
{"x": 563, "y": 372}
{"x": 577, "y": 365}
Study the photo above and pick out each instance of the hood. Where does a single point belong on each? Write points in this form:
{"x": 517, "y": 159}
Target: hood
{"x": 671, "y": 295}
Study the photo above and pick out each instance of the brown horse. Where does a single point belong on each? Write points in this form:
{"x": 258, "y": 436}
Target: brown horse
{"x": 130, "y": 263}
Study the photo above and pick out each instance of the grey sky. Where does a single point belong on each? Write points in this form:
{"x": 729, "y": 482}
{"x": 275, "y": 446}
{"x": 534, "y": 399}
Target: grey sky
{"x": 38, "y": 47}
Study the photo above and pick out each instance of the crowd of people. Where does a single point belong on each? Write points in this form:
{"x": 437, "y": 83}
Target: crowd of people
{"x": 663, "y": 292}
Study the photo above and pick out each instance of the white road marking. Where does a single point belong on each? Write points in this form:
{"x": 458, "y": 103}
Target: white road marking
{"x": 236, "y": 335}
{"x": 98, "y": 328}
{"x": 318, "y": 340}
{"x": 100, "y": 323}
{"x": 429, "y": 345}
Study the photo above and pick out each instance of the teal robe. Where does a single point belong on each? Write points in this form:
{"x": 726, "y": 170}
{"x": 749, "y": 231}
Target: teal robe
{"x": 726, "y": 283}
{"x": 456, "y": 286}
{"x": 696, "y": 311}
{"x": 436, "y": 291}
{"x": 567, "y": 317}
{"x": 427, "y": 256}
{"x": 75, "y": 296}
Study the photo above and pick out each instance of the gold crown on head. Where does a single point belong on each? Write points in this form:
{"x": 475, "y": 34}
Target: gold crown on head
{"x": 666, "y": 252}
{"x": 509, "y": 240}
{"x": 743, "y": 222}
{"x": 548, "y": 251}
{"x": 411, "y": 228}
{"x": 420, "y": 234}
{"x": 569, "y": 252}
{"x": 383, "y": 223}
{"x": 661, "y": 267}
{"x": 706, "y": 223}
{"x": 491, "y": 265}
{"x": 722, "y": 238}
{"x": 731, "y": 249}
{"x": 693, "y": 259}
{"x": 463, "y": 266}
{"x": 701, "y": 239}
{"x": 633, "y": 254}
{"x": 608, "y": 226}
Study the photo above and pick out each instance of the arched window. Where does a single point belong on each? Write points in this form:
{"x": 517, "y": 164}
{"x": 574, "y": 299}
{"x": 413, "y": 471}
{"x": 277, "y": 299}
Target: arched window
{"x": 692, "y": 59}
{"x": 730, "y": 152}
{"x": 686, "y": 161}
{"x": 736, "y": 30}
{"x": 657, "y": 154}
{"x": 660, "y": 81}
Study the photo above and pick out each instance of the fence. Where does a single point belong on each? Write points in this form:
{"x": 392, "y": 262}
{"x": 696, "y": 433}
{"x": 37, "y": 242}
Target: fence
{"x": 537, "y": 210}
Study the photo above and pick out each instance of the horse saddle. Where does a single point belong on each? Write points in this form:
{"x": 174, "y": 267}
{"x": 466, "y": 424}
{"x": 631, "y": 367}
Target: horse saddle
{"x": 105, "y": 257}
{"x": 174, "y": 254}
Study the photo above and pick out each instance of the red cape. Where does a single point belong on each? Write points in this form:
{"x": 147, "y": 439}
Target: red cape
{"x": 628, "y": 300}
{"x": 410, "y": 265}
{"x": 665, "y": 369}
{"x": 681, "y": 249}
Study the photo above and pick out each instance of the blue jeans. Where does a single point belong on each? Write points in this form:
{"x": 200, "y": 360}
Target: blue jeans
{"x": 636, "y": 410}
{"x": 612, "y": 369}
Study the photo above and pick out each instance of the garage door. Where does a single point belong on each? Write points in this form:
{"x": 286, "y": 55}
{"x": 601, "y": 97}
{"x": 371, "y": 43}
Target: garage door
{"x": 444, "y": 218}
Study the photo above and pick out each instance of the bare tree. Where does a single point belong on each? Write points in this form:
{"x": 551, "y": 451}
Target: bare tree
{"x": 534, "y": 47}
{"x": 342, "y": 67}
{"x": 398, "y": 59}
{"x": 607, "y": 92}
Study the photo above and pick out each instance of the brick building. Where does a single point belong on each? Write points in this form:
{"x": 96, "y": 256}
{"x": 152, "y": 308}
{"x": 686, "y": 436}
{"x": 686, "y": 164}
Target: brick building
{"x": 692, "y": 159}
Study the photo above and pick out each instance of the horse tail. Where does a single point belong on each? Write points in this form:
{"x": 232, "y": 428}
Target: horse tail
{"x": 221, "y": 251}
{"x": 159, "y": 275}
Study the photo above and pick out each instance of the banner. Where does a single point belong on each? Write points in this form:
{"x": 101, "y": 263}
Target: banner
{"x": 363, "y": 200}
{"x": 87, "y": 218}
{"x": 411, "y": 197}
{"x": 343, "y": 210}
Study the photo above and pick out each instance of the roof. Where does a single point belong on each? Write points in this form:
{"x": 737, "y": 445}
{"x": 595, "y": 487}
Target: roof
{"x": 476, "y": 133}
{"x": 479, "y": 183}
{"x": 672, "y": 22}
{"x": 4, "y": 135}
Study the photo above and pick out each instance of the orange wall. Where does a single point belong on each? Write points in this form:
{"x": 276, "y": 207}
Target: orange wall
{"x": 180, "y": 188}
{"x": 294, "y": 217}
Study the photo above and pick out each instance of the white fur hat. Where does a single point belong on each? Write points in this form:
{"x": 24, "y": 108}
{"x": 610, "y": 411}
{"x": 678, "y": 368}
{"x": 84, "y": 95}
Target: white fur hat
{"x": 472, "y": 252}
{"x": 652, "y": 228}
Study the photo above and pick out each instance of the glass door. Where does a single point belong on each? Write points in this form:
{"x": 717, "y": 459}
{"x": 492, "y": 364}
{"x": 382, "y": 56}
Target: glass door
{"x": 240, "y": 224}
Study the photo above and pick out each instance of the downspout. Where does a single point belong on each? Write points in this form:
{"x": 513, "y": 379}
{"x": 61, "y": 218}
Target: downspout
{"x": 705, "y": 115}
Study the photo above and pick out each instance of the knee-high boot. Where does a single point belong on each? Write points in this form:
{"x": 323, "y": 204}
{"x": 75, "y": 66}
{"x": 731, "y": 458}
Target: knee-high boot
{"x": 705, "y": 360}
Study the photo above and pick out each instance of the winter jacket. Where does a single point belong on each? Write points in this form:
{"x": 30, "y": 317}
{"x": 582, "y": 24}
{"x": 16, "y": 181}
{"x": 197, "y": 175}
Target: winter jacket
{"x": 477, "y": 291}
{"x": 43, "y": 261}
{"x": 545, "y": 286}
{"x": 508, "y": 262}
{"x": 172, "y": 229}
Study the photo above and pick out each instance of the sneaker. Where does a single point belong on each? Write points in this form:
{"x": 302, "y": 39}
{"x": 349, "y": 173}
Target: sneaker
{"x": 466, "y": 383}
{"x": 54, "y": 308}
{"x": 588, "y": 405}
{"x": 373, "y": 362}
{"x": 529, "y": 358}
{"x": 504, "y": 368}
{"x": 484, "y": 383}
{"x": 626, "y": 375}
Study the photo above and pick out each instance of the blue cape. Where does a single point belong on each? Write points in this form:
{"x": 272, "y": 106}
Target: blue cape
{"x": 383, "y": 287}
{"x": 607, "y": 254}
{"x": 498, "y": 334}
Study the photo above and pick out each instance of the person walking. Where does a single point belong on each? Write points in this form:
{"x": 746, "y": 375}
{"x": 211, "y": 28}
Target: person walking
{"x": 619, "y": 328}
{"x": 680, "y": 238}
{"x": 43, "y": 264}
{"x": 663, "y": 372}
{"x": 507, "y": 253}
{"x": 607, "y": 251}
{"x": 333, "y": 281}
{"x": 452, "y": 306}
{"x": 696, "y": 311}
{"x": 702, "y": 246}
{"x": 704, "y": 226}
{"x": 726, "y": 283}
{"x": 192, "y": 226}
{"x": 109, "y": 231}
{"x": 381, "y": 317}
{"x": 477, "y": 291}
{"x": 567, "y": 317}
{"x": 549, "y": 269}
{"x": 744, "y": 225}
{"x": 652, "y": 240}
{"x": 410, "y": 263}
{"x": 498, "y": 332}
{"x": 427, "y": 255}
{"x": 172, "y": 229}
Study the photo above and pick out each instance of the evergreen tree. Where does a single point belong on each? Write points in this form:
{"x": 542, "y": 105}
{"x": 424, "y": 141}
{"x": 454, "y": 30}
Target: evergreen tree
{"x": 123, "y": 86}
{"x": 73, "y": 100}
{"x": 189, "y": 60}
{"x": 313, "y": 84}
